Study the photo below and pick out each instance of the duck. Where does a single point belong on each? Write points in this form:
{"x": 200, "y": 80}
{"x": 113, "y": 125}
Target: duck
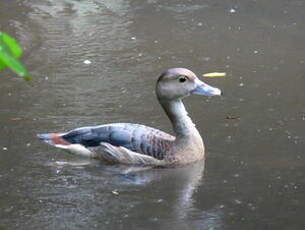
{"x": 137, "y": 144}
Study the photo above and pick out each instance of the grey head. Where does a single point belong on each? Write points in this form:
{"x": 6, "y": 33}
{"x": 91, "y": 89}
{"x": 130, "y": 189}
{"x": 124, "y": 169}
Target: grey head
{"x": 177, "y": 83}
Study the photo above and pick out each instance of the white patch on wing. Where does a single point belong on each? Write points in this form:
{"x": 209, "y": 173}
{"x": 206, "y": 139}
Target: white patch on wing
{"x": 77, "y": 149}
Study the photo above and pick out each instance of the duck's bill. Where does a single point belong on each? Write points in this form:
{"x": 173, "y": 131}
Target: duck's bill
{"x": 205, "y": 89}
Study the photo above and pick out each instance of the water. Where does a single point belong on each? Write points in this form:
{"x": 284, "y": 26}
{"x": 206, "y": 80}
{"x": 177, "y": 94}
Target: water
{"x": 254, "y": 171}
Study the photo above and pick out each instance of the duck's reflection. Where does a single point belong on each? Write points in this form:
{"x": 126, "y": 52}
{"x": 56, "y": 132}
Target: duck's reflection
{"x": 171, "y": 194}
{"x": 180, "y": 185}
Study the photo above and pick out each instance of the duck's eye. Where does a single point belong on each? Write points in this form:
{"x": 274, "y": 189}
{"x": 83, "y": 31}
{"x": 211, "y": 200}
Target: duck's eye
{"x": 182, "y": 79}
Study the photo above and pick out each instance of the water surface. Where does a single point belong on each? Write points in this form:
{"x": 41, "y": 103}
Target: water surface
{"x": 254, "y": 135}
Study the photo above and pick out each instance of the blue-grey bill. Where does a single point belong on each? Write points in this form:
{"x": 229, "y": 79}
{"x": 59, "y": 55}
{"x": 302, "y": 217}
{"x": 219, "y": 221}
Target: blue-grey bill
{"x": 205, "y": 89}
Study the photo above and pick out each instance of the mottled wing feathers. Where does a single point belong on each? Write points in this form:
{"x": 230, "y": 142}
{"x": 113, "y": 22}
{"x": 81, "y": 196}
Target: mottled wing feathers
{"x": 135, "y": 137}
{"x": 113, "y": 154}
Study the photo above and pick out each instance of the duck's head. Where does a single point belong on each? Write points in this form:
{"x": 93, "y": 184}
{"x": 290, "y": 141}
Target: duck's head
{"x": 177, "y": 83}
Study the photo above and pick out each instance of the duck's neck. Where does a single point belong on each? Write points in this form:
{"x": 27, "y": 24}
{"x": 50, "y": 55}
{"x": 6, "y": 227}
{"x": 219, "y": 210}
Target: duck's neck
{"x": 182, "y": 123}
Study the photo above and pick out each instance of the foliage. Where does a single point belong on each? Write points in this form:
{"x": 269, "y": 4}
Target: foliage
{"x": 10, "y": 51}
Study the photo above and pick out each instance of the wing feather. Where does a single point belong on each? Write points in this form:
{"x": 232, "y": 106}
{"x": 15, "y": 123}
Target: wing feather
{"x": 137, "y": 138}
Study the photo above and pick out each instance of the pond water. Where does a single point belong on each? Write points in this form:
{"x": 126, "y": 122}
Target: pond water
{"x": 96, "y": 62}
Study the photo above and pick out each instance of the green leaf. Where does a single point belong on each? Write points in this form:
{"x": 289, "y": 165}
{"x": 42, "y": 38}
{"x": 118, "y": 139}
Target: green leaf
{"x": 10, "y": 45}
{"x": 10, "y": 50}
{"x": 2, "y": 65}
{"x": 14, "y": 65}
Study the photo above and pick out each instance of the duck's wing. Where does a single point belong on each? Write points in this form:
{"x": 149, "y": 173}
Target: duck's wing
{"x": 122, "y": 155}
{"x": 134, "y": 137}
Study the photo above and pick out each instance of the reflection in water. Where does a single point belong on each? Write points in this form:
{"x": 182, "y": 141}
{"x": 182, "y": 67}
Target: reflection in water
{"x": 193, "y": 175}
{"x": 186, "y": 204}
{"x": 186, "y": 182}
{"x": 171, "y": 189}
{"x": 180, "y": 185}
{"x": 77, "y": 31}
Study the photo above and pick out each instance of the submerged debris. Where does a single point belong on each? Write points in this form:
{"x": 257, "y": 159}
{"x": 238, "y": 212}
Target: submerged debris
{"x": 87, "y": 62}
{"x": 232, "y": 117}
{"x": 232, "y": 11}
{"x": 115, "y": 192}
{"x": 15, "y": 119}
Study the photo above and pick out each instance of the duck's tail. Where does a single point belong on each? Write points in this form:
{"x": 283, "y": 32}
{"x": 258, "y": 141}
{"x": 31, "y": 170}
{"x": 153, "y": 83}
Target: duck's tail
{"x": 56, "y": 140}
{"x": 53, "y": 139}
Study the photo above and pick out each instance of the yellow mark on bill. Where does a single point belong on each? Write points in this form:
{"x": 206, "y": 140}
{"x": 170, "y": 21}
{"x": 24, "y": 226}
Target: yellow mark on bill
{"x": 215, "y": 74}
